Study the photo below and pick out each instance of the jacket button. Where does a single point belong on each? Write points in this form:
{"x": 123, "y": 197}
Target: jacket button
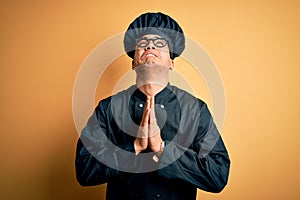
{"x": 157, "y": 196}
{"x": 162, "y": 106}
{"x": 140, "y": 105}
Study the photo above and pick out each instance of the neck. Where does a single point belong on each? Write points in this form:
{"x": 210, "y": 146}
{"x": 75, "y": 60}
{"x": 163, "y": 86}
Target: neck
{"x": 151, "y": 79}
{"x": 151, "y": 89}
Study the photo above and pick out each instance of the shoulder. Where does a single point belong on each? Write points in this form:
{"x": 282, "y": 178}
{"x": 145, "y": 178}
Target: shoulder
{"x": 120, "y": 96}
{"x": 185, "y": 97}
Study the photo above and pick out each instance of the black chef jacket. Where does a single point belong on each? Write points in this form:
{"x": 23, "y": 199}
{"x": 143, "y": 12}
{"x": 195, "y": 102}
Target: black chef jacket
{"x": 194, "y": 155}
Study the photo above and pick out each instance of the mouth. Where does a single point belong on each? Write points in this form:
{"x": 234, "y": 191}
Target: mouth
{"x": 149, "y": 55}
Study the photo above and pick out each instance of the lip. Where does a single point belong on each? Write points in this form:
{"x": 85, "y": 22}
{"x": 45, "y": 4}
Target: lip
{"x": 147, "y": 54}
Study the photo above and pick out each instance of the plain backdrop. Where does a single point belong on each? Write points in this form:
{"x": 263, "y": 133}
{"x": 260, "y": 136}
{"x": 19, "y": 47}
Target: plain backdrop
{"x": 253, "y": 43}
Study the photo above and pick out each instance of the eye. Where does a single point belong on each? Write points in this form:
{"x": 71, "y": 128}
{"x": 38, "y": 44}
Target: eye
{"x": 160, "y": 42}
{"x": 142, "y": 43}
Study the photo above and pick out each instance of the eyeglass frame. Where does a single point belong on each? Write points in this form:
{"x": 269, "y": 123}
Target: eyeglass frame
{"x": 153, "y": 41}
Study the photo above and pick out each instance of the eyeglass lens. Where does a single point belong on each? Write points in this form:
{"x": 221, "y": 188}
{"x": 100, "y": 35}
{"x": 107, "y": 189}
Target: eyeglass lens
{"x": 158, "y": 42}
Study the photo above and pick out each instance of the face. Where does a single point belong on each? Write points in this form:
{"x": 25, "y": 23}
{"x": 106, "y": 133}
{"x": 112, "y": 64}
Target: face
{"x": 152, "y": 51}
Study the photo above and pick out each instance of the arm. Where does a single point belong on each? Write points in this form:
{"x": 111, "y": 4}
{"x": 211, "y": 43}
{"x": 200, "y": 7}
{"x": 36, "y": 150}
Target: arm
{"x": 205, "y": 163}
{"x": 98, "y": 159}
{"x": 89, "y": 170}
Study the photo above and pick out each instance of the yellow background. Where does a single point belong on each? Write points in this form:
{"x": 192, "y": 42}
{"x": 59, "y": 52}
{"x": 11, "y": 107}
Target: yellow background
{"x": 255, "y": 45}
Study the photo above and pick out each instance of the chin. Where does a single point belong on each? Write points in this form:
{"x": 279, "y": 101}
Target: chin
{"x": 150, "y": 63}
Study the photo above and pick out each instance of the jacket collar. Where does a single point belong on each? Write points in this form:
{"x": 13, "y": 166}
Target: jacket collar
{"x": 163, "y": 96}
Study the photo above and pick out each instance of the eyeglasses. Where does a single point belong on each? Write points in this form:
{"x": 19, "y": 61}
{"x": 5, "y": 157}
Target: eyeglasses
{"x": 158, "y": 42}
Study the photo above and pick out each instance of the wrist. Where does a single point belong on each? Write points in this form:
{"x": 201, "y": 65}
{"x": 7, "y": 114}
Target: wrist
{"x": 158, "y": 154}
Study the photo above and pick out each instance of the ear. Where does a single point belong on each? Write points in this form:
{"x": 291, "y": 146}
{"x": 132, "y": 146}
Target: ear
{"x": 171, "y": 64}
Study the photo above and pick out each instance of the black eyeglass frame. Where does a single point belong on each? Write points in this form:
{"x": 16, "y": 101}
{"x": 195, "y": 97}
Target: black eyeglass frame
{"x": 153, "y": 41}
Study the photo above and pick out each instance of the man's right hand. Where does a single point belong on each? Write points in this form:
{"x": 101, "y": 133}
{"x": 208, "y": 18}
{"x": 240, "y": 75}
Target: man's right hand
{"x": 149, "y": 133}
{"x": 141, "y": 142}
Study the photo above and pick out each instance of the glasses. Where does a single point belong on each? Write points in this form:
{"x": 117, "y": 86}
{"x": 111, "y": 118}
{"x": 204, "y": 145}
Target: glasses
{"x": 158, "y": 42}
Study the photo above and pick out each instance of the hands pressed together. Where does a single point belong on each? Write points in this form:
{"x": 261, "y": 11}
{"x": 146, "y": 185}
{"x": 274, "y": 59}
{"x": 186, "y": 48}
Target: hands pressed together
{"x": 149, "y": 132}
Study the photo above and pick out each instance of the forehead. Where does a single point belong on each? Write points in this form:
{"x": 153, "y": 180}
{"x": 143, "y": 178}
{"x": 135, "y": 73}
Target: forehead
{"x": 151, "y": 36}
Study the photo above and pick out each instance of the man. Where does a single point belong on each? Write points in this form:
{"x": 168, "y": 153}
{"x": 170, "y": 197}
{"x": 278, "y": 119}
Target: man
{"x": 153, "y": 140}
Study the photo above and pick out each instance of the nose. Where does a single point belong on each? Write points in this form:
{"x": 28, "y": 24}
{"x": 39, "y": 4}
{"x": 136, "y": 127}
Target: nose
{"x": 150, "y": 45}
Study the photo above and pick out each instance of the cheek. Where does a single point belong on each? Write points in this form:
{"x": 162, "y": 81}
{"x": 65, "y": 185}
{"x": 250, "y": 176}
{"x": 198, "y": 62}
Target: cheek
{"x": 167, "y": 58}
{"x": 138, "y": 53}
{"x": 136, "y": 59}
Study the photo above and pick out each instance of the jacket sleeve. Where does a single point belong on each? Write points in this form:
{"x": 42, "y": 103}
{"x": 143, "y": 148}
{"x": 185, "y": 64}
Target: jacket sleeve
{"x": 98, "y": 159}
{"x": 205, "y": 164}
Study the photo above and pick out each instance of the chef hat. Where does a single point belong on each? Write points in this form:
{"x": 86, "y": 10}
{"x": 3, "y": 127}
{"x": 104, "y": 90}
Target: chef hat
{"x": 155, "y": 23}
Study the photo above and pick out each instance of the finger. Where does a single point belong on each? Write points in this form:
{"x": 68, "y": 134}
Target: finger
{"x": 145, "y": 118}
{"x": 148, "y": 102}
{"x": 152, "y": 117}
{"x": 146, "y": 113}
{"x": 153, "y": 127}
{"x": 152, "y": 102}
{"x": 142, "y": 132}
